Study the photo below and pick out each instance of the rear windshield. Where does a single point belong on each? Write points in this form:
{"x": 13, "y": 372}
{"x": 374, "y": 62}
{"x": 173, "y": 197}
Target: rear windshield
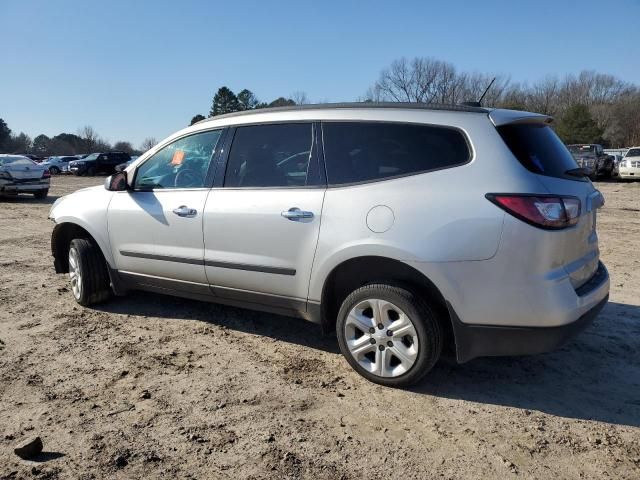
{"x": 582, "y": 150}
{"x": 16, "y": 161}
{"x": 539, "y": 150}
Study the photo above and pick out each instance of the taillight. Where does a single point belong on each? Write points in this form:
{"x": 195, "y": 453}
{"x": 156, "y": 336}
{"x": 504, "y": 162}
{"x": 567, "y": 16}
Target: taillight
{"x": 543, "y": 211}
{"x": 46, "y": 173}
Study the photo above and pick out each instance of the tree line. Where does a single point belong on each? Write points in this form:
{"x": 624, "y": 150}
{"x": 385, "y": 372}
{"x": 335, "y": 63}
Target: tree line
{"x": 225, "y": 101}
{"x": 589, "y": 107}
{"x": 85, "y": 140}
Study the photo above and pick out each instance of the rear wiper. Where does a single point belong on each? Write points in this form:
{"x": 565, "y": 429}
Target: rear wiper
{"x": 578, "y": 172}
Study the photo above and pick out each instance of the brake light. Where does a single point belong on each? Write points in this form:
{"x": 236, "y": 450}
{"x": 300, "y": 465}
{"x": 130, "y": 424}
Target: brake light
{"x": 543, "y": 211}
{"x": 46, "y": 173}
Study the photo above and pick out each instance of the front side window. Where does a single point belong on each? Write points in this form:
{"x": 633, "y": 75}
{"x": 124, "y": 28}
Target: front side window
{"x": 275, "y": 155}
{"x": 361, "y": 152}
{"x": 181, "y": 164}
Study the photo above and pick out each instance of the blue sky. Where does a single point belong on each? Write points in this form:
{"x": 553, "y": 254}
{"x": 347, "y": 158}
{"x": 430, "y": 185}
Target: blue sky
{"x": 136, "y": 69}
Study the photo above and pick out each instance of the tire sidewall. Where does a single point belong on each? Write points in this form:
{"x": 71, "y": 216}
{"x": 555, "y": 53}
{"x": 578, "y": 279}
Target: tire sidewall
{"x": 423, "y": 321}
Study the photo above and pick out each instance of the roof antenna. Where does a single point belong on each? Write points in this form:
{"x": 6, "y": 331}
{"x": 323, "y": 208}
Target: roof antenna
{"x": 479, "y": 102}
{"x": 485, "y": 92}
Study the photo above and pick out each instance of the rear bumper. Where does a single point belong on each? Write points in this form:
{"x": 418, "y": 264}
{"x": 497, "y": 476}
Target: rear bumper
{"x": 495, "y": 340}
{"x": 15, "y": 188}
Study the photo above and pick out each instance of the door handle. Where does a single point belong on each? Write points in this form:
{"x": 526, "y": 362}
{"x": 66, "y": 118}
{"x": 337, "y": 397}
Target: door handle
{"x": 296, "y": 214}
{"x": 184, "y": 211}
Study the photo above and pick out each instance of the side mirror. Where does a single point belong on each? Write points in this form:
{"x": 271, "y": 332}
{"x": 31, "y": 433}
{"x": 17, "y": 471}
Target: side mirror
{"x": 116, "y": 182}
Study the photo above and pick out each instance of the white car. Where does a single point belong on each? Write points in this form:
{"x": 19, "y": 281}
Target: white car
{"x": 57, "y": 165}
{"x": 20, "y": 174}
{"x": 629, "y": 166}
{"x": 404, "y": 228}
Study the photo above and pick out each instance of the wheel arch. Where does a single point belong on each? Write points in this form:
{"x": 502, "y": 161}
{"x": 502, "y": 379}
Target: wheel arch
{"x": 355, "y": 272}
{"x": 61, "y": 238}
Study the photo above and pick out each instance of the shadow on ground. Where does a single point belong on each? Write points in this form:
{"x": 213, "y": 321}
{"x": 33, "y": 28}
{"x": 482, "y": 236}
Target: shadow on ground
{"x": 594, "y": 377}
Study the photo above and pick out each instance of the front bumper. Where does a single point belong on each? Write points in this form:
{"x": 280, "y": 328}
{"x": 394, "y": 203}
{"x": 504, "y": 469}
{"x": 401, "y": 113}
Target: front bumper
{"x": 495, "y": 340}
{"x": 629, "y": 172}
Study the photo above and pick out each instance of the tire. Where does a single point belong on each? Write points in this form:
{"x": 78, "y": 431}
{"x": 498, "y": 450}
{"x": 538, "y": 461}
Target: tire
{"x": 420, "y": 346}
{"x": 91, "y": 171}
{"x": 41, "y": 195}
{"x": 88, "y": 273}
{"x": 54, "y": 170}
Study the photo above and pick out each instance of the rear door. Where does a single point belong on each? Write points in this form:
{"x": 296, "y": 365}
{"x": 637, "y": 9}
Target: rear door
{"x": 538, "y": 148}
{"x": 155, "y": 229}
{"x": 261, "y": 226}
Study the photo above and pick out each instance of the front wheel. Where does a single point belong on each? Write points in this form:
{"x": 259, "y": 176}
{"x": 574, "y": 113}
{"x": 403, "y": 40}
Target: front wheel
{"x": 88, "y": 272}
{"x": 41, "y": 194}
{"x": 388, "y": 334}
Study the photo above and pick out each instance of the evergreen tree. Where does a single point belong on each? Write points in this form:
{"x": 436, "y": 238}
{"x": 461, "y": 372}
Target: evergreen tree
{"x": 247, "y": 100}
{"x": 196, "y": 119}
{"x": 224, "y": 101}
{"x": 578, "y": 126}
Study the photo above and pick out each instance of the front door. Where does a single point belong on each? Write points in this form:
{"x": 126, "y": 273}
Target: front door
{"x": 261, "y": 227}
{"x": 155, "y": 229}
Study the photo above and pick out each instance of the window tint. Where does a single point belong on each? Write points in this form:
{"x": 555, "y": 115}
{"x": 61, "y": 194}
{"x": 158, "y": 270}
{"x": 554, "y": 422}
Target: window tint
{"x": 270, "y": 156}
{"x": 358, "y": 152}
{"x": 181, "y": 164}
{"x": 539, "y": 150}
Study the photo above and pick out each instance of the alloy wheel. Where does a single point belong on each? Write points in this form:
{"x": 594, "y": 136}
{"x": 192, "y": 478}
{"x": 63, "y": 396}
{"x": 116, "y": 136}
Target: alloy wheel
{"x": 381, "y": 338}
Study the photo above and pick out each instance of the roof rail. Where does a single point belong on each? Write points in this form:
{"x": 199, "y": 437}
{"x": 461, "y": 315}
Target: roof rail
{"x": 367, "y": 105}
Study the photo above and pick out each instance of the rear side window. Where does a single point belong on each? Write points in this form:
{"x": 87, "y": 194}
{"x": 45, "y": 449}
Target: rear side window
{"x": 275, "y": 155}
{"x": 361, "y": 152}
{"x": 539, "y": 150}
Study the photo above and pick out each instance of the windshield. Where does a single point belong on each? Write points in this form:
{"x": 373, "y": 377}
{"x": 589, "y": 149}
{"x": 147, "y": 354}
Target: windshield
{"x": 634, "y": 152}
{"x": 93, "y": 156}
{"x": 15, "y": 161}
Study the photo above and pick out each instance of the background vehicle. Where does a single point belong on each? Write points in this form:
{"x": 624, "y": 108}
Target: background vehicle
{"x": 592, "y": 158}
{"x": 629, "y": 166}
{"x": 98, "y": 163}
{"x": 22, "y": 175}
{"x": 385, "y": 223}
{"x": 57, "y": 165}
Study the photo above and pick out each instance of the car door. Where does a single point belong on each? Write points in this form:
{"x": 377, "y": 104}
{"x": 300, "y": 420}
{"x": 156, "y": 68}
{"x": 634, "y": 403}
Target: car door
{"x": 261, "y": 226}
{"x": 155, "y": 228}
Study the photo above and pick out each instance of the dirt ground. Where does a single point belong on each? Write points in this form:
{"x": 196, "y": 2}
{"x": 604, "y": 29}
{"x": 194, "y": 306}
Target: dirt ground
{"x": 150, "y": 386}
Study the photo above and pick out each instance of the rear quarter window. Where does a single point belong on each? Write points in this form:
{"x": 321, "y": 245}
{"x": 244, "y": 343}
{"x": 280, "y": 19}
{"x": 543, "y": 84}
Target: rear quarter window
{"x": 361, "y": 152}
{"x": 539, "y": 150}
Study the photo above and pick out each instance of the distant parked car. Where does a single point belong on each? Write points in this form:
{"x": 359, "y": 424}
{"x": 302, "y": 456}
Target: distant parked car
{"x": 592, "y": 158}
{"x": 20, "y": 174}
{"x": 97, "y": 163}
{"x": 57, "y": 165}
{"x": 629, "y": 166}
{"x": 35, "y": 158}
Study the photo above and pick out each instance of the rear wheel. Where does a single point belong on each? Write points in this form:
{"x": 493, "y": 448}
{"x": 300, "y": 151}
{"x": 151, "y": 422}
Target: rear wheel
{"x": 54, "y": 170}
{"x": 88, "y": 272}
{"x": 388, "y": 334}
{"x": 41, "y": 194}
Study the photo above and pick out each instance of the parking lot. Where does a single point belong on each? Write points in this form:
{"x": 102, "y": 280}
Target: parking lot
{"x": 150, "y": 386}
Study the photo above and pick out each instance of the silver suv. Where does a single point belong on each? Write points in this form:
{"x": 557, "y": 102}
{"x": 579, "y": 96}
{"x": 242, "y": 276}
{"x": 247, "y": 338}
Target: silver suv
{"x": 406, "y": 229}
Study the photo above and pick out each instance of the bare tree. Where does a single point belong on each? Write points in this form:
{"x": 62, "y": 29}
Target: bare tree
{"x": 90, "y": 138}
{"x": 300, "y": 98}
{"x": 148, "y": 143}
